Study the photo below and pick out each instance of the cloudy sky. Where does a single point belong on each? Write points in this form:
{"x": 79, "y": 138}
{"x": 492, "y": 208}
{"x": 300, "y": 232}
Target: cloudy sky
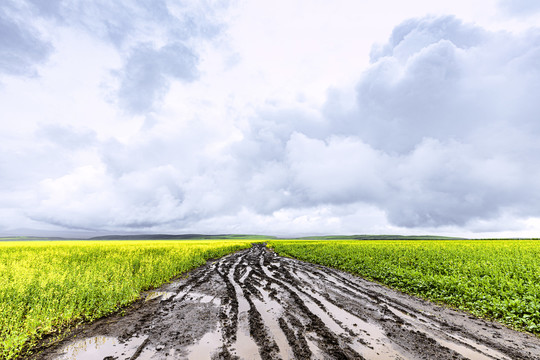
{"x": 283, "y": 117}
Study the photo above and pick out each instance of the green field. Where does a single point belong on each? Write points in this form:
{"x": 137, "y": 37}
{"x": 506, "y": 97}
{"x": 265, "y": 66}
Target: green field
{"x": 46, "y": 286}
{"x": 495, "y": 279}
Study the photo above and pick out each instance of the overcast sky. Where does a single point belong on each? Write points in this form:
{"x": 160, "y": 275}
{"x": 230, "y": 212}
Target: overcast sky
{"x": 283, "y": 117}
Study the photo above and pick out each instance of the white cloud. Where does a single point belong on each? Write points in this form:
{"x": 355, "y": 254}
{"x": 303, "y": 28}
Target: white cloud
{"x": 205, "y": 118}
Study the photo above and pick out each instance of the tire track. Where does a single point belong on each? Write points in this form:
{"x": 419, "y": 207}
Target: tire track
{"x": 401, "y": 314}
{"x": 256, "y": 305}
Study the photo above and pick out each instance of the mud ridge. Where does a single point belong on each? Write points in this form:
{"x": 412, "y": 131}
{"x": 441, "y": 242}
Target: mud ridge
{"x": 255, "y": 304}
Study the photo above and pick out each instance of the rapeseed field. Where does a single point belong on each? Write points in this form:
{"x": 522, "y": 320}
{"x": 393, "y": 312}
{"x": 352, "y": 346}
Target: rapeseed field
{"x": 46, "y": 286}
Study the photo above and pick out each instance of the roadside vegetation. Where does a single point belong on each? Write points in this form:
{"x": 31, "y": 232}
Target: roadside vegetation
{"x": 494, "y": 279}
{"x": 46, "y": 286}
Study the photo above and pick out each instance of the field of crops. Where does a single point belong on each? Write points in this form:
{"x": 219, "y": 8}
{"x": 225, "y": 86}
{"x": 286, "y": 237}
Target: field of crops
{"x": 48, "y": 285}
{"x": 496, "y": 279}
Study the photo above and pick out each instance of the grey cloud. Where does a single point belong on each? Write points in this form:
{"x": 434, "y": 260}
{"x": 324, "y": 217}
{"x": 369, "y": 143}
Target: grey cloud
{"x": 25, "y": 164}
{"x": 148, "y": 72}
{"x": 520, "y": 7}
{"x": 155, "y": 197}
{"x": 157, "y": 180}
{"x": 49, "y": 8}
{"x": 67, "y": 137}
{"x": 442, "y": 132}
{"x": 89, "y": 198}
{"x": 134, "y": 27}
{"x": 148, "y": 69}
{"x": 448, "y": 183}
{"x": 123, "y": 21}
{"x": 62, "y": 223}
{"x": 339, "y": 170}
{"x": 270, "y": 129}
{"x": 452, "y": 116}
{"x": 445, "y": 91}
{"x": 415, "y": 34}
{"x": 117, "y": 22}
{"x": 22, "y": 47}
{"x": 411, "y": 101}
{"x": 156, "y": 149}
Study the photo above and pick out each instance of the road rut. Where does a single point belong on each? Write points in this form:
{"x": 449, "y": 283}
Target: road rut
{"x": 255, "y": 304}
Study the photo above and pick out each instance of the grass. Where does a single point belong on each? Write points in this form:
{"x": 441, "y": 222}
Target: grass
{"x": 494, "y": 279}
{"x": 46, "y": 286}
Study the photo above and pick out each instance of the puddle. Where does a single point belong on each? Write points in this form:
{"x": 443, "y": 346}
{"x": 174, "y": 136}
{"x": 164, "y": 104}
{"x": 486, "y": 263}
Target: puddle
{"x": 246, "y": 274}
{"x": 467, "y": 352}
{"x": 269, "y": 315}
{"x": 150, "y": 353}
{"x": 99, "y": 347}
{"x": 315, "y": 351}
{"x": 199, "y": 297}
{"x": 491, "y": 352}
{"x": 164, "y": 295}
{"x": 340, "y": 322}
{"x": 475, "y": 351}
{"x": 187, "y": 294}
{"x": 209, "y": 345}
{"x": 244, "y": 347}
{"x": 371, "y": 333}
{"x": 328, "y": 277}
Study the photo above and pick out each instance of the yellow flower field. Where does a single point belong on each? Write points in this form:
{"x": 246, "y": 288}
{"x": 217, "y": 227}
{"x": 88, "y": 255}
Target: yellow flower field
{"x": 48, "y": 285}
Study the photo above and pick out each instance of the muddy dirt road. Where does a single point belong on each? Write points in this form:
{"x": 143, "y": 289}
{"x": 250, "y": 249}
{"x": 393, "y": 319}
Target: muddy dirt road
{"x": 257, "y": 305}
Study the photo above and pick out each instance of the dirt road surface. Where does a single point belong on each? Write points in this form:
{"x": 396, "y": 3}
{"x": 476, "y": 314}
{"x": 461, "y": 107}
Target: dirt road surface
{"x": 256, "y": 305}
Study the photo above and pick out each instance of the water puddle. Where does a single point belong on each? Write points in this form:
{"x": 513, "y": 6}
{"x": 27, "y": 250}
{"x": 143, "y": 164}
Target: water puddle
{"x": 149, "y": 353}
{"x": 491, "y": 352}
{"x": 467, "y": 352}
{"x": 200, "y": 297}
{"x": 164, "y": 295}
{"x": 246, "y": 274}
{"x": 475, "y": 351}
{"x": 181, "y": 294}
{"x": 99, "y": 347}
{"x": 328, "y": 277}
{"x": 244, "y": 347}
{"x": 270, "y": 312}
{"x": 341, "y": 322}
{"x": 209, "y": 345}
{"x": 315, "y": 351}
{"x": 377, "y": 337}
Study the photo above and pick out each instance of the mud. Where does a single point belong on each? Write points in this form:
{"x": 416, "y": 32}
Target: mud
{"x": 256, "y": 305}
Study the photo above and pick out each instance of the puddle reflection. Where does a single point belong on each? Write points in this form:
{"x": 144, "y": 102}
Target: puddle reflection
{"x": 99, "y": 347}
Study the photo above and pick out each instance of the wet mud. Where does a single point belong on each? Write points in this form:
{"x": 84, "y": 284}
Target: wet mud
{"x": 255, "y": 304}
